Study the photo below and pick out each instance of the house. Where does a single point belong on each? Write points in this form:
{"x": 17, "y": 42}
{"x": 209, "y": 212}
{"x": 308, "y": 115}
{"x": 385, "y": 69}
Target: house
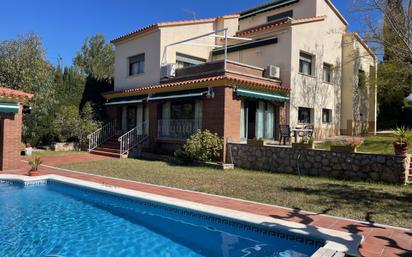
{"x": 11, "y": 109}
{"x": 242, "y": 76}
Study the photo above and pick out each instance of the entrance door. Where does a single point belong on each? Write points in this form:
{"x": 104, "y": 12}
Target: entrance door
{"x": 131, "y": 117}
{"x": 258, "y": 120}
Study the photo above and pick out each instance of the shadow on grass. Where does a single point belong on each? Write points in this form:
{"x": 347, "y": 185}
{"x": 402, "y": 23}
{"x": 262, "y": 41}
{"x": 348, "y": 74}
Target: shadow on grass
{"x": 371, "y": 201}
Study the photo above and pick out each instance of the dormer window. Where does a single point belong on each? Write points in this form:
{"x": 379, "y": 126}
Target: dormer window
{"x": 280, "y": 16}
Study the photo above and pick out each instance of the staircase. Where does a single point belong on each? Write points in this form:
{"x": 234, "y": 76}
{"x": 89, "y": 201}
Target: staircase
{"x": 110, "y": 148}
{"x": 105, "y": 141}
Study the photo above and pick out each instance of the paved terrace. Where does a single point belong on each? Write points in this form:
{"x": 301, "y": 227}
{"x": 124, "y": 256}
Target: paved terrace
{"x": 380, "y": 241}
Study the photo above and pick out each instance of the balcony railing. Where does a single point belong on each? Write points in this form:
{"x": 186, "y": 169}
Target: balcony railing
{"x": 177, "y": 129}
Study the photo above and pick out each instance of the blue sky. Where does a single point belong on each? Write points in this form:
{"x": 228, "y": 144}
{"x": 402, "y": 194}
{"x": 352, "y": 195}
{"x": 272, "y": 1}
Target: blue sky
{"x": 63, "y": 25}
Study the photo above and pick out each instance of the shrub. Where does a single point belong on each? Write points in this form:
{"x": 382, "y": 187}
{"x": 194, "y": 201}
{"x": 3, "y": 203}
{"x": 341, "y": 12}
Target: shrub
{"x": 203, "y": 146}
{"x": 70, "y": 126}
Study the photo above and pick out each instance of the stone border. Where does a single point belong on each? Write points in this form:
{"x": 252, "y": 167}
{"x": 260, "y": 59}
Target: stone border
{"x": 336, "y": 241}
{"x": 322, "y": 163}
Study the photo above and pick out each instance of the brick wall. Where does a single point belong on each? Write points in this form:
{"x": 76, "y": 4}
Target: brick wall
{"x": 10, "y": 140}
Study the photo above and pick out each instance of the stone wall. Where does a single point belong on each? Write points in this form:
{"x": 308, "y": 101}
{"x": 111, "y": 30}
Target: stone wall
{"x": 348, "y": 166}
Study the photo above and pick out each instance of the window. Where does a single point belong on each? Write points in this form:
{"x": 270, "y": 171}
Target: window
{"x": 136, "y": 64}
{"x": 361, "y": 79}
{"x": 327, "y": 72}
{"x": 184, "y": 110}
{"x": 280, "y": 16}
{"x": 305, "y": 63}
{"x": 326, "y": 115}
{"x": 305, "y": 115}
{"x": 183, "y": 60}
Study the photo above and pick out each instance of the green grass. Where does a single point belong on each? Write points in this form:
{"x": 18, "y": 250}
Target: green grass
{"x": 387, "y": 204}
{"x": 53, "y": 153}
{"x": 382, "y": 144}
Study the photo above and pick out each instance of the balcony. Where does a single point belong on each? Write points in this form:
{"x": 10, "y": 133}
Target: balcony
{"x": 177, "y": 129}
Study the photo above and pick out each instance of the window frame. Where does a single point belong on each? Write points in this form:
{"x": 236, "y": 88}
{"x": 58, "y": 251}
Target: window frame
{"x": 188, "y": 60}
{"x": 311, "y": 114}
{"x": 330, "y": 68}
{"x": 302, "y": 56}
{"x": 329, "y": 113}
{"x": 140, "y": 61}
{"x": 279, "y": 16}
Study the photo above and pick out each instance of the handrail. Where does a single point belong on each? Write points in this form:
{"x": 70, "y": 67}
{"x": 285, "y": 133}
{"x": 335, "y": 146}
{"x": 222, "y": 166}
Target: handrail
{"x": 132, "y": 138}
{"x": 101, "y": 135}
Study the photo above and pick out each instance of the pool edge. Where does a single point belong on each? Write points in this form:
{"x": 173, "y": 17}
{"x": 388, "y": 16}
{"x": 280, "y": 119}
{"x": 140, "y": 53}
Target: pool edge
{"x": 336, "y": 241}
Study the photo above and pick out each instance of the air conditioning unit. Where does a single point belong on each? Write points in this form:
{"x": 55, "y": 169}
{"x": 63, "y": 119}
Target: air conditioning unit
{"x": 272, "y": 72}
{"x": 168, "y": 71}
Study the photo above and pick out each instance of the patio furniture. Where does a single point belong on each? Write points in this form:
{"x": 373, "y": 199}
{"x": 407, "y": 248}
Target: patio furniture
{"x": 301, "y": 132}
{"x": 310, "y": 132}
{"x": 284, "y": 134}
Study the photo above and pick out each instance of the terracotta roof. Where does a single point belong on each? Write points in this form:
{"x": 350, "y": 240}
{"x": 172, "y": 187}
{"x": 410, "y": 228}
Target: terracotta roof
{"x": 11, "y": 93}
{"x": 230, "y": 78}
{"x": 280, "y": 23}
{"x": 170, "y": 23}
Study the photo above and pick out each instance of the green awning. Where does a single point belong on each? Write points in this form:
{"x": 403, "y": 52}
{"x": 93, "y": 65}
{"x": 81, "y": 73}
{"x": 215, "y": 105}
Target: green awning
{"x": 126, "y": 100}
{"x": 179, "y": 94}
{"x": 9, "y": 107}
{"x": 261, "y": 95}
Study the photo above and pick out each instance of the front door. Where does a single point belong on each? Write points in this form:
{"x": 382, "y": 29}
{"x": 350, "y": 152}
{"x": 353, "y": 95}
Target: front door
{"x": 131, "y": 117}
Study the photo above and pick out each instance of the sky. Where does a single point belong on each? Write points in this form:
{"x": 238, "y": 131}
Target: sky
{"x": 63, "y": 25}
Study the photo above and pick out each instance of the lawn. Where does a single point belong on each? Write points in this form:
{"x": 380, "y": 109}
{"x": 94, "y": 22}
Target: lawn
{"x": 53, "y": 153}
{"x": 380, "y": 144}
{"x": 387, "y": 204}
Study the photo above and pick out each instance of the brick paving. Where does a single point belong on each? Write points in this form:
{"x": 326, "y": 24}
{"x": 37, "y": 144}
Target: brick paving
{"x": 380, "y": 241}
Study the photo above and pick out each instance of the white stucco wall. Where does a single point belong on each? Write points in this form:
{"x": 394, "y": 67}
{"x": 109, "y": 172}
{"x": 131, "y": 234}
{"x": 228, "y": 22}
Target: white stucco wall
{"x": 149, "y": 44}
{"x": 323, "y": 40}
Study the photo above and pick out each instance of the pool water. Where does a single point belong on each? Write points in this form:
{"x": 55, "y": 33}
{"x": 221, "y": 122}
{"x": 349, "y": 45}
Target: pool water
{"x": 65, "y": 220}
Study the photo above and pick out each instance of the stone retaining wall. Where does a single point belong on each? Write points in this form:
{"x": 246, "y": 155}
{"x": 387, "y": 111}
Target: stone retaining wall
{"x": 350, "y": 166}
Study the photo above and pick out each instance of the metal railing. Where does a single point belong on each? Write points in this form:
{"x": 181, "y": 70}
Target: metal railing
{"x": 102, "y": 135}
{"x": 178, "y": 129}
{"x": 132, "y": 138}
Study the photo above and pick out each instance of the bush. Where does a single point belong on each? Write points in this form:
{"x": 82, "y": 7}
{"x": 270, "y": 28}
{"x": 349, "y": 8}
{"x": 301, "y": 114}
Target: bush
{"x": 203, "y": 146}
{"x": 69, "y": 126}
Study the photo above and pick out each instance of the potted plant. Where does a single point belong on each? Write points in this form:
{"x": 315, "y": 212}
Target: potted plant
{"x": 305, "y": 143}
{"x": 258, "y": 142}
{"x": 35, "y": 163}
{"x": 402, "y": 137}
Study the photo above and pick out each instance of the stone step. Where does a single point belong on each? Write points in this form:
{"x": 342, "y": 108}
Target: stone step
{"x": 107, "y": 149}
{"x": 104, "y": 153}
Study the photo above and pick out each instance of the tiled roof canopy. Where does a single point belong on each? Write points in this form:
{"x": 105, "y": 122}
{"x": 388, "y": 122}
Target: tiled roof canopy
{"x": 171, "y": 23}
{"x": 14, "y": 94}
{"x": 221, "y": 80}
{"x": 277, "y": 24}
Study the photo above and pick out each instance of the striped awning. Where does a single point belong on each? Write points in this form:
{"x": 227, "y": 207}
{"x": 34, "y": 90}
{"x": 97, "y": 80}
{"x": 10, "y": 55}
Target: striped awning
{"x": 126, "y": 100}
{"x": 9, "y": 107}
{"x": 261, "y": 95}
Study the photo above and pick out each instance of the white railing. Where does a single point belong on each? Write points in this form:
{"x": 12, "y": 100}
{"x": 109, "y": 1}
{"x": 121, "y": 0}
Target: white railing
{"x": 178, "y": 129}
{"x": 102, "y": 135}
{"x": 132, "y": 138}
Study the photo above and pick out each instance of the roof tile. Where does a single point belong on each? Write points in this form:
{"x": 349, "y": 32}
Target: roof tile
{"x": 12, "y": 93}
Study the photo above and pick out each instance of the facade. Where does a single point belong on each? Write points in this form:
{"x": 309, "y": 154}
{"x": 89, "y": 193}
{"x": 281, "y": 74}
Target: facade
{"x": 242, "y": 76}
{"x": 11, "y": 108}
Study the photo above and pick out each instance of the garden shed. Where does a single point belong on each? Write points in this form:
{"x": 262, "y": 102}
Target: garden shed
{"x": 11, "y": 119}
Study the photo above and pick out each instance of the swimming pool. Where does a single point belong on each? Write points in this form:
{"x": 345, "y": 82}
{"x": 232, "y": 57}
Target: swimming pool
{"x": 51, "y": 217}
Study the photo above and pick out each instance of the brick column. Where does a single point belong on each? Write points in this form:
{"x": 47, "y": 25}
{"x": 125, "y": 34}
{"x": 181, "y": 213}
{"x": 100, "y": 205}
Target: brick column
{"x": 10, "y": 140}
{"x": 222, "y": 115}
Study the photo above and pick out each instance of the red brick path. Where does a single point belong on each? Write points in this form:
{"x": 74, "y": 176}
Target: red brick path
{"x": 379, "y": 241}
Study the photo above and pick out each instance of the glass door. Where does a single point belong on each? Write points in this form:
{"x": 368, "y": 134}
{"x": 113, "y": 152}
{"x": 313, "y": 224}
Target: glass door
{"x": 131, "y": 117}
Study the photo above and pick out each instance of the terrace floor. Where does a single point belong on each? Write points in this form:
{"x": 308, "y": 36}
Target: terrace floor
{"x": 380, "y": 241}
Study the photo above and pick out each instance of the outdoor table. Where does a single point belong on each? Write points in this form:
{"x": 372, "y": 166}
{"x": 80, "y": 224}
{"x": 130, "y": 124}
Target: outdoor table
{"x": 297, "y": 131}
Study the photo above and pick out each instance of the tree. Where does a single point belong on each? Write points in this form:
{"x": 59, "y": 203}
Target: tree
{"x": 23, "y": 66}
{"x": 70, "y": 86}
{"x": 96, "y": 58}
{"x": 394, "y": 36}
